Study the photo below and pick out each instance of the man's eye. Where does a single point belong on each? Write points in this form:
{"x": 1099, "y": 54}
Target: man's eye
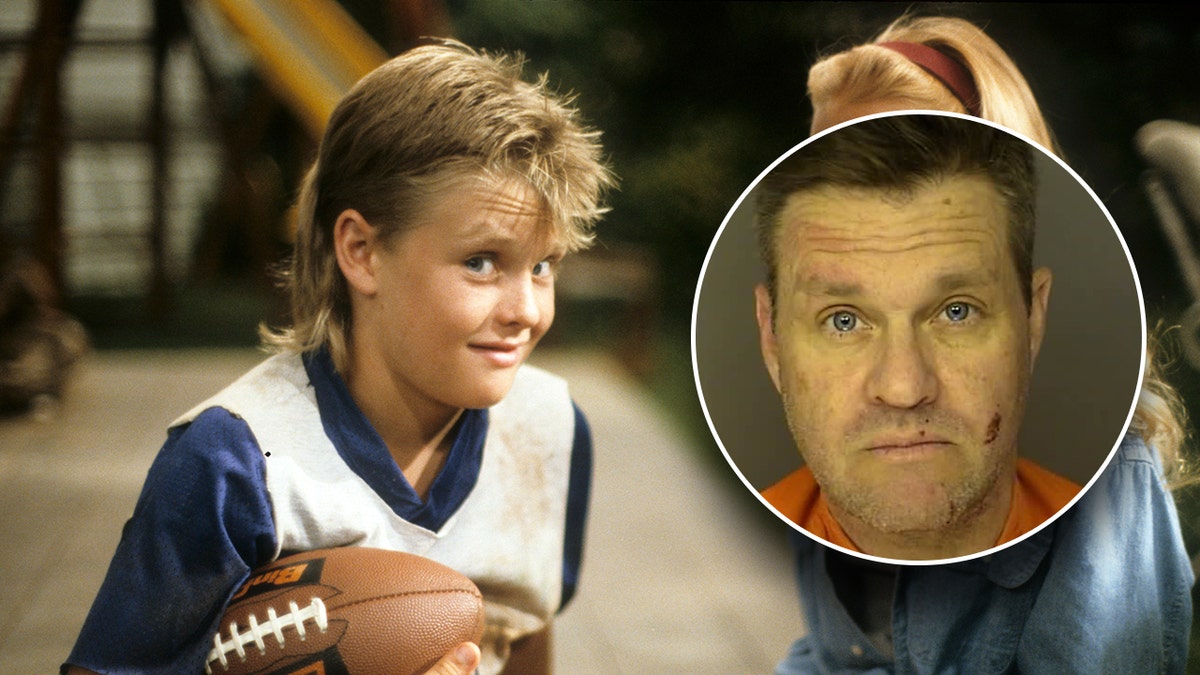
{"x": 842, "y": 322}
{"x": 957, "y": 311}
{"x": 543, "y": 268}
{"x": 480, "y": 264}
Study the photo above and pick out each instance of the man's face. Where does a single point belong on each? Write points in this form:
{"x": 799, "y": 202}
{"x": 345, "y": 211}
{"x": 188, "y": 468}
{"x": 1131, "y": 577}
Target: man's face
{"x": 902, "y": 347}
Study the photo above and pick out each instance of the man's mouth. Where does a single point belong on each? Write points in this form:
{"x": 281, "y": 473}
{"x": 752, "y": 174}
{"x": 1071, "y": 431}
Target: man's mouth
{"x": 908, "y": 446}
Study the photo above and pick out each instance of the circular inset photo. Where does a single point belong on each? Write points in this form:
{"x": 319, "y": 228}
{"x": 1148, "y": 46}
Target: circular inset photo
{"x": 918, "y": 337}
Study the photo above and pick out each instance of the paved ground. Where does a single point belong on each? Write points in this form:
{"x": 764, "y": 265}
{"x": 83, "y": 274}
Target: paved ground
{"x": 681, "y": 575}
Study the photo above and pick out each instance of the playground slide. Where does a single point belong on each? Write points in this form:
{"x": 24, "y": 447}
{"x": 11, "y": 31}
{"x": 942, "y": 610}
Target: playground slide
{"x": 309, "y": 52}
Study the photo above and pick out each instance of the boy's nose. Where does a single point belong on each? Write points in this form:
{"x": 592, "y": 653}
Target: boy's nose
{"x": 521, "y": 303}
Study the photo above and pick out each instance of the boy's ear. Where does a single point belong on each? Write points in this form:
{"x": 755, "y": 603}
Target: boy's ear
{"x": 354, "y": 242}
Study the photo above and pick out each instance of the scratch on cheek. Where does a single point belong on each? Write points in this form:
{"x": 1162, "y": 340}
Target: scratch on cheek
{"x": 993, "y": 429}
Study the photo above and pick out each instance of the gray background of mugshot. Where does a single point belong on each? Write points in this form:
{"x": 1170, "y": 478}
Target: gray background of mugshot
{"x": 1084, "y": 382}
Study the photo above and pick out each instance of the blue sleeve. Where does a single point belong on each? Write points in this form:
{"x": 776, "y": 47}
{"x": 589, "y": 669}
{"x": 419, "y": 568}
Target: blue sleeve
{"x": 202, "y": 522}
{"x": 1117, "y": 597}
{"x": 579, "y": 488}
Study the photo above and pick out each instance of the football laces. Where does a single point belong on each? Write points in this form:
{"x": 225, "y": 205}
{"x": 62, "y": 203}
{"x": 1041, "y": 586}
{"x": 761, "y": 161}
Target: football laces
{"x": 255, "y": 633}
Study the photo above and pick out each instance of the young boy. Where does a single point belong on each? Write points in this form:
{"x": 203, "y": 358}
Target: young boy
{"x": 397, "y": 413}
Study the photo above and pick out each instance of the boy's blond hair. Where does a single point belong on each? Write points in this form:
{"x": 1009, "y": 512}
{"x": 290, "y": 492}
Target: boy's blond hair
{"x": 418, "y": 125}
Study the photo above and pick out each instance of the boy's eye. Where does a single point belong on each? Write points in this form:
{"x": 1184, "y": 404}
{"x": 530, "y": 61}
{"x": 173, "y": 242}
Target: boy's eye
{"x": 544, "y": 268}
{"x": 480, "y": 264}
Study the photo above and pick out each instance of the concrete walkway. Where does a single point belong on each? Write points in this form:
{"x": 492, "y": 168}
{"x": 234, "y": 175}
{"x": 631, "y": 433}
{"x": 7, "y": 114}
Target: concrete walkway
{"x": 681, "y": 574}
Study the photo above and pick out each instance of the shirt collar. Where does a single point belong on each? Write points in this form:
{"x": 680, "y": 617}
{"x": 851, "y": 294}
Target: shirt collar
{"x": 1015, "y": 565}
{"x": 363, "y": 450}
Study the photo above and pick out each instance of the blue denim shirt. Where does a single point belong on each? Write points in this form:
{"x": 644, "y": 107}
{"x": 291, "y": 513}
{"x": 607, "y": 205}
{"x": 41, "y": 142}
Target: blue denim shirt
{"x": 1105, "y": 589}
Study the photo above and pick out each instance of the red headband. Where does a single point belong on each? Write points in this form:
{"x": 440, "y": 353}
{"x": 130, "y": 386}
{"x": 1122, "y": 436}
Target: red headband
{"x": 947, "y": 70}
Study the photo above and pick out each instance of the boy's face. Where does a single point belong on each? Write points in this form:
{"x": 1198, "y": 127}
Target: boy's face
{"x": 465, "y": 293}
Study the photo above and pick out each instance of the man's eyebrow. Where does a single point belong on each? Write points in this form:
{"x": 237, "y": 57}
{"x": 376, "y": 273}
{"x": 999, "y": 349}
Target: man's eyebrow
{"x": 958, "y": 280}
{"x": 953, "y": 281}
{"x": 815, "y": 285}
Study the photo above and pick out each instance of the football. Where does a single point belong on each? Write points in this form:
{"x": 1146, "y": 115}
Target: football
{"x": 356, "y": 611}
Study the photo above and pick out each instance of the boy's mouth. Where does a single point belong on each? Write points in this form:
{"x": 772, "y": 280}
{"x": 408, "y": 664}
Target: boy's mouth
{"x": 500, "y": 354}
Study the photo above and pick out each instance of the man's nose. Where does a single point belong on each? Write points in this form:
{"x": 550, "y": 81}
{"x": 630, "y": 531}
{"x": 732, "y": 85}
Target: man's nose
{"x": 903, "y": 375}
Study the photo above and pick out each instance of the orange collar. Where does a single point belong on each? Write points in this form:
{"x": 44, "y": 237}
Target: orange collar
{"x": 1038, "y": 494}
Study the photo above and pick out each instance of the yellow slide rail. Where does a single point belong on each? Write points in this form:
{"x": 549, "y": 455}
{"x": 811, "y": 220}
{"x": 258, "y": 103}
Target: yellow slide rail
{"x": 309, "y": 52}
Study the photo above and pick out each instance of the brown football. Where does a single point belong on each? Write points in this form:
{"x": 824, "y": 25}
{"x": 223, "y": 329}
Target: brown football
{"x": 356, "y": 611}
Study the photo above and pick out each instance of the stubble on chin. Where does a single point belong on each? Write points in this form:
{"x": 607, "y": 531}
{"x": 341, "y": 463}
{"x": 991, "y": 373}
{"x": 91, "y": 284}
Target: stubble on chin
{"x": 901, "y": 507}
{"x": 886, "y": 500}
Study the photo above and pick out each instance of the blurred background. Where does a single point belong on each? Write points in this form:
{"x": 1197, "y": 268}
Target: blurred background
{"x": 150, "y": 151}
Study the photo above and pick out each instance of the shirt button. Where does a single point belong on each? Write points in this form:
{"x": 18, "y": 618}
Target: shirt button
{"x": 856, "y": 650}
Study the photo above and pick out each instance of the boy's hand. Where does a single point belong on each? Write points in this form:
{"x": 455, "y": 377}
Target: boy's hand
{"x": 462, "y": 660}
